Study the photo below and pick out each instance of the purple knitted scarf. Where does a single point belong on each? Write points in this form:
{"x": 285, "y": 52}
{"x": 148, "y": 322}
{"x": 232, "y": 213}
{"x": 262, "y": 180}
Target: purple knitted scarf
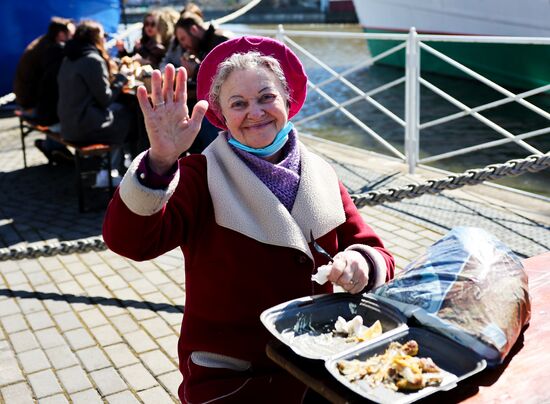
{"x": 281, "y": 178}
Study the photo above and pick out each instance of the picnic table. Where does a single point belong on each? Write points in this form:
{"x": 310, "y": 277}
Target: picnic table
{"x": 521, "y": 378}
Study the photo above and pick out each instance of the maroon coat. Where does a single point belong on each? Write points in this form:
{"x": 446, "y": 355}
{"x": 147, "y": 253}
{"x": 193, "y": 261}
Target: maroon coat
{"x": 230, "y": 278}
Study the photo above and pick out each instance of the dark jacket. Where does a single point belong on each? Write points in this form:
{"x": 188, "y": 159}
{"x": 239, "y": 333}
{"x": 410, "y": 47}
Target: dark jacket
{"x": 29, "y": 72}
{"x": 85, "y": 92}
{"x": 48, "y": 93}
{"x": 151, "y": 50}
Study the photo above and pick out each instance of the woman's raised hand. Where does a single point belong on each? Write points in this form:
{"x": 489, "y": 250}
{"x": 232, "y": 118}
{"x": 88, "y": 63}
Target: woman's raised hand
{"x": 170, "y": 129}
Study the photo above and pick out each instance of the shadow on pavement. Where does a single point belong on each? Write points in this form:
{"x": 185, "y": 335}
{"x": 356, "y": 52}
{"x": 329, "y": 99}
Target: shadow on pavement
{"x": 40, "y": 203}
{"x": 93, "y": 300}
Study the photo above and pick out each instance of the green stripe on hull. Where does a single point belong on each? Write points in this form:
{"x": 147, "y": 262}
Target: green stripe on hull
{"x": 513, "y": 66}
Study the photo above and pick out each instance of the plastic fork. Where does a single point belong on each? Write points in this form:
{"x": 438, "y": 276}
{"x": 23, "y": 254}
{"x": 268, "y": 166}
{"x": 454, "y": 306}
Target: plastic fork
{"x": 318, "y": 248}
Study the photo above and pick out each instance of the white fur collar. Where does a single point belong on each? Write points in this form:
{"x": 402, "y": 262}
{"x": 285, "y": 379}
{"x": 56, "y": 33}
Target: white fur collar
{"x": 243, "y": 203}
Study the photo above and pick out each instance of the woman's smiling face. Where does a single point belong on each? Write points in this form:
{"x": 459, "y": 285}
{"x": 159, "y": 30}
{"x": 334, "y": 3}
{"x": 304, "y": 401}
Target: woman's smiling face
{"x": 254, "y": 106}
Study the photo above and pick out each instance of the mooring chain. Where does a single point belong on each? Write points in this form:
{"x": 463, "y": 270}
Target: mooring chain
{"x": 49, "y": 250}
{"x": 532, "y": 163}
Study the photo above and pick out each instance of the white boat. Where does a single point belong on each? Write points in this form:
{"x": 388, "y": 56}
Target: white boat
{"x": 526, "y": 65}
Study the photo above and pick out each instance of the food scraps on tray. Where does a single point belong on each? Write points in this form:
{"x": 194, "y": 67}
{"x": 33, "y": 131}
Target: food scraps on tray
{"x": 355, "y": 331}
{"x": 398, "y": 368}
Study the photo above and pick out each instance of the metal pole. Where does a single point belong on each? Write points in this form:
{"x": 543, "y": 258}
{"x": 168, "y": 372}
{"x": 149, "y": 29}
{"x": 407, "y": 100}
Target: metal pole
{"x": 412, "y": 99}
{"x": 280, "y": 36}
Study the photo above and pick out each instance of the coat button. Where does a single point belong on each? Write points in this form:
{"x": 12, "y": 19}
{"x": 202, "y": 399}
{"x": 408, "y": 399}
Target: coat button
{"x": 302, "y": 259}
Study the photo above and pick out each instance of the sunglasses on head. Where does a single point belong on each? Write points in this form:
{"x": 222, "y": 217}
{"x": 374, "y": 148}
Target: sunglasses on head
{"x": 149, "y": 23}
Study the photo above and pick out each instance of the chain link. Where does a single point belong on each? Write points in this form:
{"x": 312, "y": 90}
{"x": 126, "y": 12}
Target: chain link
{"x": 49, "y": 250}
{"x": 515, "y": 167}
{"x": 532, "y": 163}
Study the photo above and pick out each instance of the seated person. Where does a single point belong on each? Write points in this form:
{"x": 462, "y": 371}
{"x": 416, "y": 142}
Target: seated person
{"x": 148, "y": 49}
{"x": 31, "y": 66}
{"x": 197, "y": 38}
{"x": 88, "y": 91}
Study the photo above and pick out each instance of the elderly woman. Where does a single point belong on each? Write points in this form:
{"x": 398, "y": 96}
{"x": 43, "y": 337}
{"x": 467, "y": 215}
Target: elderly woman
{"x": 242, "y": 213}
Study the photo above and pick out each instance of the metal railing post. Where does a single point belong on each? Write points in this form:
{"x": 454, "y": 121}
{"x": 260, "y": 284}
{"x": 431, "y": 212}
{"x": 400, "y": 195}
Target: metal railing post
{"x": 280, "y": 36}
{"x": 412, "y": 99}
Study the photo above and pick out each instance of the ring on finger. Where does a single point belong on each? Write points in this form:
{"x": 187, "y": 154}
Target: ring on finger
{"x": 160, "y": 104}
{"x": 353, "y": 283}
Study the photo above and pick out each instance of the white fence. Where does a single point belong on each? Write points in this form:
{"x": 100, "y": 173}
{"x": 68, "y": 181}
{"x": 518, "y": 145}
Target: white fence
{"x": 412, "y": 127}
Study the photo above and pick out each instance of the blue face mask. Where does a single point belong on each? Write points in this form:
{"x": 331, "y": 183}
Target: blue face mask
{"x": 270, "y": 150}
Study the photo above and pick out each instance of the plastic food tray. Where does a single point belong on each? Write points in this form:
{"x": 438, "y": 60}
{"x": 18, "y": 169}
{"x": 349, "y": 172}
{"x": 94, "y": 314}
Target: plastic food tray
{"x": 456, "y": 361}
{"x": 299, "y": 323}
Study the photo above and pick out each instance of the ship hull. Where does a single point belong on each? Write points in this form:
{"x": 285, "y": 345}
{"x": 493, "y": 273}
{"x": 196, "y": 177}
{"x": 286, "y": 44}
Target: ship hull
{"x": 513, "y": 66}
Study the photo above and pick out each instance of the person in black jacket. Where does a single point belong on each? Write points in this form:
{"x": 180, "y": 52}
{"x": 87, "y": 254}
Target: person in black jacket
{"x": 88, "y": 90}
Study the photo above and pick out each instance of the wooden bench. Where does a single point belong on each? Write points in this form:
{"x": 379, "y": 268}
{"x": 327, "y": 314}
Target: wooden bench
{"x": 27, "y": 126}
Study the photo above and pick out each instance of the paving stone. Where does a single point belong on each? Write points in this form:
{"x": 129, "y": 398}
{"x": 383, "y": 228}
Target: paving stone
{"x": 129, "y": 274}
{"x": 157, "y": 277}
{"x": 67, "y": 321}
{"x": 33, "y": 361}
{"x": 121, "y": 355}
{"x": 76, "y": 268}
{"x": 171, "y": 318}
{"x": 38, "y": 278}
{"x": 169, "y": 344}
{"x": 124, "y": 397}
{"x": 93, "y": 358}
{"x": 49, "y": 338}
{"x": 171, "y": 382}
{"x": 74, "y": 379}
{"x": 87, "y": 280}
{"x": 102, "y": 270}
{"x": 114, "y": 282}
{"x": 57, "y": 399}
{"x": 139, "y": 341}
{"x": 9, "y": 307}
{"x": 10, "y": 369}
{"x": 156, "y": 327}
{"x": 70, "y": 288}
{"x": 108, "y": 381}
{"x": 57, "y": 306}
{"x": 144, "y": 286}
{"x": 93, "y": 317}
{"x": 61, "y": 357}
{"x": 106, "y": 335}
{"x": 157, "y": 362}
{"x": 79, "y": 339}
{"x": 138, "y": 377}
{"x": 19, "y": 393}
{"x": 15, "y": 278}
{"x": 14, "y": 323}
{"x": 61, "y": 275}
{"x": 86, "y": 397}
{"x": 155, "y": 395}
{"x": 111, "y": 310}
{"x": 23, "y": 341}
{"x": 44, "y": 384}
{"x": 124, "y": 323}
{"x": 29, "y": 306}
{"x": 40, "y": 320}
{"x": 141, "y": 313}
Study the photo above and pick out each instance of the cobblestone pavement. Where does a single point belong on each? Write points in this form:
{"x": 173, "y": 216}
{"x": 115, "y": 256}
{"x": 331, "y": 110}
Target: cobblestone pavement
{"x": 98, "y": 328}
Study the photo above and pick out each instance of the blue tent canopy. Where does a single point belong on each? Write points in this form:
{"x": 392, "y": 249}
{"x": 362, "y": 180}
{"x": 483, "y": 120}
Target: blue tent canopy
{"x": 22, "y": 21}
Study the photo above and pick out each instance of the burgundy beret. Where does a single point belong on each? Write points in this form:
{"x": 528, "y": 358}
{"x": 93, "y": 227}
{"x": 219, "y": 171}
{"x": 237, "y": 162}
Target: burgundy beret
{"x": 292, "y": 68}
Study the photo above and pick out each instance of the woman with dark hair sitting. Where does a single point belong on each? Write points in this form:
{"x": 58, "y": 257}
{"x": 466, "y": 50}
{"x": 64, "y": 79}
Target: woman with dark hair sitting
{"x": 88, "y": 90}
{"x": 148, "y": 49}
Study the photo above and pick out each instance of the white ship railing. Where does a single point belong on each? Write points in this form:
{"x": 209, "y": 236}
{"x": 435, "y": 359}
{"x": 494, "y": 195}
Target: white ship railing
{"x": 412, "y": 78}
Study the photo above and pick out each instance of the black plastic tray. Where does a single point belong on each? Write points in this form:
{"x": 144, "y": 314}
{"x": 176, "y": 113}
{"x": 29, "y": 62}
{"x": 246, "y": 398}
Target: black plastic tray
{"x": 299, "y": 323}
{"x": 457, "y": 362}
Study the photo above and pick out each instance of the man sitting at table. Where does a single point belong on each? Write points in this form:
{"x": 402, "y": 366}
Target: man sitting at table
{"x": 35, "y": 83}
{"x": 197, "y": 38}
